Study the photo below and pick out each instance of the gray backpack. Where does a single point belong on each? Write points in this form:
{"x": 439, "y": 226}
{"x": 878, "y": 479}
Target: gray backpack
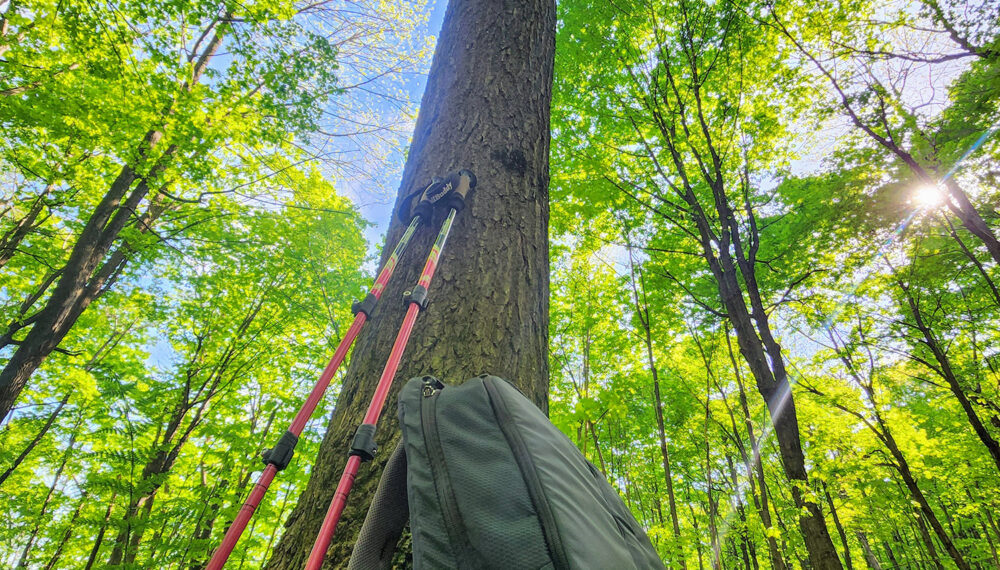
{"x": 487, "y": 481}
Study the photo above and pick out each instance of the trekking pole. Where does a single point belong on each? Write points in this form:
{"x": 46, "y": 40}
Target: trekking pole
{"x": 278, "y": 457}
{"x": 363, "y": 446}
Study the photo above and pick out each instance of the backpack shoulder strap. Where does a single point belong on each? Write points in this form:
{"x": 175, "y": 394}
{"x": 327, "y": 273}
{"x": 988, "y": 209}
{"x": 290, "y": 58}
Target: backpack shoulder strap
{"x": 387, "y": 515}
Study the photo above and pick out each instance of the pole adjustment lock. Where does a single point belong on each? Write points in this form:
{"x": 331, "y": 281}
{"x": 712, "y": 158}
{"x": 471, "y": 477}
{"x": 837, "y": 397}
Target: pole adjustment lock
{"x": 281, "y": 454}
{"x": 416, "y": 295}
{"x": 366, "y": 305}
{"x": 364, "y": 445}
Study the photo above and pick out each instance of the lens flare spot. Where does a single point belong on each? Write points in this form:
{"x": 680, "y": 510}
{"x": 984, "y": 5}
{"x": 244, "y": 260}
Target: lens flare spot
{"x": 928, "y": 197}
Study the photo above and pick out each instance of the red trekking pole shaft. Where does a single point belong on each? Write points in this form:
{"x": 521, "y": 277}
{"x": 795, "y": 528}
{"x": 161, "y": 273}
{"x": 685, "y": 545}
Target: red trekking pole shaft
{"x": 278, "y": 457}
{"x": 363, "y": 448}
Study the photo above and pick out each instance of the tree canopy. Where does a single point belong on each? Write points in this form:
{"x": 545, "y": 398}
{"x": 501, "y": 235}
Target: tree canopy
{"x": 774, "y": 296}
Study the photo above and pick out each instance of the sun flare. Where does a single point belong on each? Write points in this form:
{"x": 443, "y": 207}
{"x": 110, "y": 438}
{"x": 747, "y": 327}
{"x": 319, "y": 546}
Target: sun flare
{"x": 928, "y": 197}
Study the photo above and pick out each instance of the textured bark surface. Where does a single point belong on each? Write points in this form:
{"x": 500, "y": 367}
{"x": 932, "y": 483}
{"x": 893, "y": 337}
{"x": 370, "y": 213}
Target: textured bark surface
{"x": 486, "y": 108}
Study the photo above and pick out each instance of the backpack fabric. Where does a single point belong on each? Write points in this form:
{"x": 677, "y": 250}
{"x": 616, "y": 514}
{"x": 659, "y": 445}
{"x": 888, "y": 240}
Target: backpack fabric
{"x": 491, "y": 483}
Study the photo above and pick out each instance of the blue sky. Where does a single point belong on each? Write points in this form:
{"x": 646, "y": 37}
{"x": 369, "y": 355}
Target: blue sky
{"x": 377, "y": 207}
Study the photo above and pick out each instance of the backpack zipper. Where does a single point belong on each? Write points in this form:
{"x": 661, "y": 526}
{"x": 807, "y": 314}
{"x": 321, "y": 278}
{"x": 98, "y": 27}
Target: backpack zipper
{"x": 527, "y": 466}
{"x": 442, "y": 481}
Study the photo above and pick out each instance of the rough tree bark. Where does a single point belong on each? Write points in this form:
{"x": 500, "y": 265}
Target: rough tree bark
{"x": 486, "y": 108}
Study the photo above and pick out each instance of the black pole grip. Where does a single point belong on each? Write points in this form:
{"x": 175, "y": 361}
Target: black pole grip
{"x": 462, "y": 183}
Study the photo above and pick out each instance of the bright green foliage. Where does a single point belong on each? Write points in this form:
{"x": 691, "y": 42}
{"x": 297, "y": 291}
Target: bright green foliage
{"x": 885, "y": 308}
{"x": 136, "y": 441}
{"x": 206, "y": 363}
{"x": 816, "y": 121}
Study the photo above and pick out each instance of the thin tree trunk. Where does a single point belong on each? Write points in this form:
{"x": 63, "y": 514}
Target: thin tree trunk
{"x": 870, "y": 557}
{"x": 488, "y": 303}
{"x": 642, "y": 309}
{"x": 33, "y": 535}
{"x": 992, "y": 523}
{"x": 891, "y": 555}
{"x": 945, "y": 370}
{"x": 38, "y": 437}
{"x": 10, "y": 241}
{"x": 975, "y": 260}
{"x": 128, "y": 538}
{"x": 744, "y": 533}
{"x": 22, "y": 319}
{"x": 196, "y": 397}
{"x": 68, "y": 533}
{"x": 840, "y": 528}
{"x": 910, "y": 482}
{"x": 597, "y": 448}
{"x": 694, "y": 525}
{"x": 781, "y": 525}
{"x": 100, "y": 533}
{"x": 883, "y": 433}
{"x": 713, "y": 503}
{"x": 928, "y": 541}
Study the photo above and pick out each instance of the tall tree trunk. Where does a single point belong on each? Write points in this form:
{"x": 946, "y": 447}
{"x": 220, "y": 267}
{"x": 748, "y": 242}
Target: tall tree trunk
{"x": 891, "y": 555}
{"x": 713, "y": 502}
{"x": 730, "y": 251}
{"x": 755, "y": 467}
{"x": 991, "y": 523}
{"x": 880, "y": 428}
{"x": 153, "y": 474}
{"x": 744, "y": 533}
{"x": 910, "y": 482}
{"x": 486, "y": 108}
{"x": 782, "y": 527}
{"x": 694, "y": 524}
{"x": 927, "y": 540}
{"x": 89, "y": 270}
